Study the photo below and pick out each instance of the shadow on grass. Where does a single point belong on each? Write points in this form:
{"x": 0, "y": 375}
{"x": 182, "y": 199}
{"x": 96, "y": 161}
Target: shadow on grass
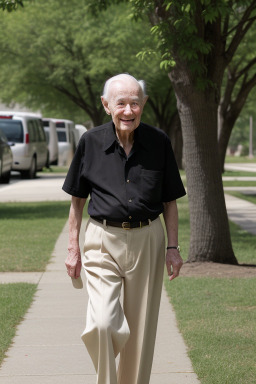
{"x": 33, "y": 211}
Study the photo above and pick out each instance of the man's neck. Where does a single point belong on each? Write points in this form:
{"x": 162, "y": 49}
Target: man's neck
{"x": 126, "y": 141}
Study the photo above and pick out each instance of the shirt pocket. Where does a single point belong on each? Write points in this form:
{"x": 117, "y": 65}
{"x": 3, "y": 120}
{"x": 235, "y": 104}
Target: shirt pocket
{"x": 151, "y": 185}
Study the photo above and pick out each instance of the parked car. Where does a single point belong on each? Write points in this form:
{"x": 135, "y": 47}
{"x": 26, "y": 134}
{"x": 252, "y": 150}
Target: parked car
{"x": 26, "y": 136}
{"x": 5, "y": 159}
{"x": 66, "y": 140}
{"x": 52, "y": 140}
{"x": 79, "y": 131}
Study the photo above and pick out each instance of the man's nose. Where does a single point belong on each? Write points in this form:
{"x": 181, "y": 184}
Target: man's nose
{"x": 127, "y": 109}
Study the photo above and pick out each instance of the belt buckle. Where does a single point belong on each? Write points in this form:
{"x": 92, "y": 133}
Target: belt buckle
{"x": 126, "y": 225}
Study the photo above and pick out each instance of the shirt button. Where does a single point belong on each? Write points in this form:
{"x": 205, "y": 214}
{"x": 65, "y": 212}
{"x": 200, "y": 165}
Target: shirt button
{"x": 128, "y": 181}
{"x": 130, "y": 200}
{"x": 130, "y": 217}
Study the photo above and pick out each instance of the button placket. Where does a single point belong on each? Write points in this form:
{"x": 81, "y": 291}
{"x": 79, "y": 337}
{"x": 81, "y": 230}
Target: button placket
{"x": 128, "y": 188}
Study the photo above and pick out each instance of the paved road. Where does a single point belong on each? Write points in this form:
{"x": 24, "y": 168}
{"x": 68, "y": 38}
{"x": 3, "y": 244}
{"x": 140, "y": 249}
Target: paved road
{"x": 242, "y": 212}
{"x": 46, "y": 187}
{"x": 246, "y": 167}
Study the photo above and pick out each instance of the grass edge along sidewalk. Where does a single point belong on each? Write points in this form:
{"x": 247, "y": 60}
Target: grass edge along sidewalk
{"x": 15, "y": 300}
{"x": 28, "y": 234}
{"x": 217, "y": 315}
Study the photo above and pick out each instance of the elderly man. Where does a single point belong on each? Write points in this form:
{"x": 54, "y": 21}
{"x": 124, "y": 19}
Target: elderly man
{"x": 128, "y": 169}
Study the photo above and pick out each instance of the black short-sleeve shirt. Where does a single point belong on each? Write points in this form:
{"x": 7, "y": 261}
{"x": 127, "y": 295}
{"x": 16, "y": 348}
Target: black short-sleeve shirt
{"x": 124, "y": 188}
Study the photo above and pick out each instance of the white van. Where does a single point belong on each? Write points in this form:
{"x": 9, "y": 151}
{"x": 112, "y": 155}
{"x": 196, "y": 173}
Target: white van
{"x": 66, "y": 140}
{"x": 52, "y": 140}
{"x": 79, "y": 131}
{"x": 26, "y": 136}
{"x": 5, "y": 159}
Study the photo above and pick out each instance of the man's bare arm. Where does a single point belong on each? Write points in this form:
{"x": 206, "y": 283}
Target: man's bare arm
{"x": 73, "y": 260}
{"x": 173, "y": 259}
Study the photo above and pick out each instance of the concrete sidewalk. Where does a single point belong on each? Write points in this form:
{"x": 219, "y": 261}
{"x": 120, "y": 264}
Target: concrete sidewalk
{"x": 46, "y": 187}
{"x": 241, "y": 212}
{"x": 47, "y": 348}
{"x": 244, "y": 167}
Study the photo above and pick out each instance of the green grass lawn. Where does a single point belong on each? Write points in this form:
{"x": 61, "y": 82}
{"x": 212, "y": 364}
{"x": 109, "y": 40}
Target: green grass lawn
{"x": 15, "y": 300}
{"x": 236, "y": 183}
{"x": 217, "y": 317}
{"x": 239, "y": 174}
{"x": 28, "y": 233}
{"x": 55, "y": 169}
{"x": 230, "y": 183}
{"x": 217, "y": 320}
{"x": 229, "y": 173}
{"x": 240, "y": 159}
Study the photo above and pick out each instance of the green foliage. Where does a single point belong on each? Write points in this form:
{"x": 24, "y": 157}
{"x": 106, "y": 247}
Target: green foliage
{"x": 60, "y": 56}
{"x": 188, "y": 31}
{"x": 180, "y": 26}
{"x": 10, "y": 5}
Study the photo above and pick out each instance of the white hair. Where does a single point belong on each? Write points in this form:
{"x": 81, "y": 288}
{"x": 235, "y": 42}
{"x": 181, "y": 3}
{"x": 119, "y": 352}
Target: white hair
{"x": 123, "y": 76}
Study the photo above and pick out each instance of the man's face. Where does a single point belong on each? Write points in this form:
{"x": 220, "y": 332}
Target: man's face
{"x": 125, "y": 104}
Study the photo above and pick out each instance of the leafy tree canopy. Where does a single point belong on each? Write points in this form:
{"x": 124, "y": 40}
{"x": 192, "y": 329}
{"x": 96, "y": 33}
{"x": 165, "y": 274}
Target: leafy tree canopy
{"x": 189, "y": 30}
{"x": 10, "y": 5}
{"x": 56, "y": 57}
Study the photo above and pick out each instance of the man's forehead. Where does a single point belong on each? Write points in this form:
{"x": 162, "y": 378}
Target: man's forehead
{"x": 124, "y": 88}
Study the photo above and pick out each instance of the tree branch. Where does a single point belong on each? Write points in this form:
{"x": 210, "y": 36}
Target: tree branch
{"x": 66, "y": 47}
{"x": 234, "y": 108}
{"x": 225, "y": 102}
{"x": 247, "y": 68}
{"x": 244, "y": 92}
{"x": 75, "y": 99}
{"x": 241, "y": 29}
{"x": 87, "y": 81}
{"x": 80, "y": 97}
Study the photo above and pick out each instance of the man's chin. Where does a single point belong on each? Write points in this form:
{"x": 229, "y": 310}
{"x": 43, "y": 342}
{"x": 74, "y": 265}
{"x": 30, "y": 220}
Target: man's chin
{"x": 128, "y": 126}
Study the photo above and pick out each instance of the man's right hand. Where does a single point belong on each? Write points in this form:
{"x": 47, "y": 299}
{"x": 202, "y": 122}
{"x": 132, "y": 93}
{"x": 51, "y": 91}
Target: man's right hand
{"x": 73, "y": 262}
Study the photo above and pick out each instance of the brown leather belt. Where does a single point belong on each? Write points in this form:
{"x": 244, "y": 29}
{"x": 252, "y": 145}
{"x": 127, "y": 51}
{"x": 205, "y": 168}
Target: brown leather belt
{"x": 124, "y": 224}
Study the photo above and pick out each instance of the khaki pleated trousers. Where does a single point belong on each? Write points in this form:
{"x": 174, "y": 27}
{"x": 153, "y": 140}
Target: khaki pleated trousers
{"x": 115, "y": 257}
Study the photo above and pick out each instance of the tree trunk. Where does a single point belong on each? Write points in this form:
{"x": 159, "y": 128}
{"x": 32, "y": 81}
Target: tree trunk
{"x": 210, "y": 236}
{"x": 97, "y": 119}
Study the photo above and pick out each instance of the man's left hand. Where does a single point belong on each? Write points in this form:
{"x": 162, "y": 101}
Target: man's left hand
{"x": 174, "y": 263}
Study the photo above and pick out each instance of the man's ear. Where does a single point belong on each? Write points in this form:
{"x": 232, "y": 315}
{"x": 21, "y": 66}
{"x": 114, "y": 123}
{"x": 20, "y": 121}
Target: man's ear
{"x": 145, "y": 100}
{"x": 105, "y": 105}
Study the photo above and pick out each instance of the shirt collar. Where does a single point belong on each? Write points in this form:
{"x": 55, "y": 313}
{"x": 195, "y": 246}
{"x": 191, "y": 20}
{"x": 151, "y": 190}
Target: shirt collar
{"x": 110, "y": 136}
